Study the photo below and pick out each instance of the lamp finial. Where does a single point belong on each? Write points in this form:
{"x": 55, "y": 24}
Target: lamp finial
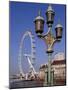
{"x": 39, "y": 12}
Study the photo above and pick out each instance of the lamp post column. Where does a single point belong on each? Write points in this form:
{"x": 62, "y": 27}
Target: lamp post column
{"x": 48, "y": 38}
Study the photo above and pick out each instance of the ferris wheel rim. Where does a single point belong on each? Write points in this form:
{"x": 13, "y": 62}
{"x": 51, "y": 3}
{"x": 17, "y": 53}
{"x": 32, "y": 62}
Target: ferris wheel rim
{"x": 27, "y": 33}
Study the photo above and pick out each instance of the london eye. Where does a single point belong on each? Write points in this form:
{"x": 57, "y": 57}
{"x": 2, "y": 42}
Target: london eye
{"x": 30, "y": 57}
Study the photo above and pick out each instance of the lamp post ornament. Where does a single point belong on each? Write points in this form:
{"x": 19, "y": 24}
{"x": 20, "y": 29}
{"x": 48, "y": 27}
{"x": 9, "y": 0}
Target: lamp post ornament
{"x": 48, "y": 38}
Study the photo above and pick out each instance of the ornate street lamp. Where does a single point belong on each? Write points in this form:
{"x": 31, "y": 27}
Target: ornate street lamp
{"x": 39, "y": 24}
{"x": 58, "y": 29}
{"x": 50, "y": 16}
{"x": 49, "y": 38}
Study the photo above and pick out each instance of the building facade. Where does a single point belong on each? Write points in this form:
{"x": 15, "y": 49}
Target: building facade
{"x": 58, "y": 66}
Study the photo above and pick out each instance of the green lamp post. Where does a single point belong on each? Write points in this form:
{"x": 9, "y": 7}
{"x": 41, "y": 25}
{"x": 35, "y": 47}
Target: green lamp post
{"x": 49, "y": 38}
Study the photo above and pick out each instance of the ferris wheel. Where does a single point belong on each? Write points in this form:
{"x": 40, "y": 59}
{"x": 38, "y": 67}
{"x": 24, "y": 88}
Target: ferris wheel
{"x": 31, "y": 56}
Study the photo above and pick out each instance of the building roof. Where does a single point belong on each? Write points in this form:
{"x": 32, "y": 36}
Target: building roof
{"x": 55, "y": 62}
{"x": 58, "y": 62}
{"x": 59, "y": 56}
{"x": 43, "y": 66}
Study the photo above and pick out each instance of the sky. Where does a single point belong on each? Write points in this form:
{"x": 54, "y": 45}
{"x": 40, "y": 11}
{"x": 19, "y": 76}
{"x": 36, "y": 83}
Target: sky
{"x": 21, "y": 19}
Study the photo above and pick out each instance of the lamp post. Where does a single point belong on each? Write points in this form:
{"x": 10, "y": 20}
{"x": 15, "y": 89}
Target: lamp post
{"x": 49, "y": 38}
